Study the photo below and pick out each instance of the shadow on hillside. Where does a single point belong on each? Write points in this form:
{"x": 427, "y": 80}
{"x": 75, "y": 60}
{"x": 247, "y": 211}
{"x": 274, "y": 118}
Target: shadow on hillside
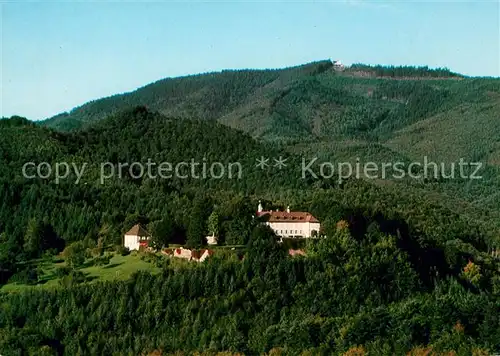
{"x": 430, "y": 262}
{"x": 89, "y": 278}
{"x": 112, "y": 265}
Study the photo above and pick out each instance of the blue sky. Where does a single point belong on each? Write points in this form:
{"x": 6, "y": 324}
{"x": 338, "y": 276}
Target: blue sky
{"x": 58, "y": 55}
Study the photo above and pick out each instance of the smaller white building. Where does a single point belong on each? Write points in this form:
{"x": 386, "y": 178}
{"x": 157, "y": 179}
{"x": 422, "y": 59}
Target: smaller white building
{"x": 338, "y": 66}
{"x": 211, "y": 240}
{"x": 136, "y": 238}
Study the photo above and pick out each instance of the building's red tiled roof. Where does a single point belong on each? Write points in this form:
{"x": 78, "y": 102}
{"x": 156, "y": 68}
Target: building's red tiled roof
{"x": 283, "y": 216}
{"x": 196, "y": 254}
{"x": 138, "y": 230}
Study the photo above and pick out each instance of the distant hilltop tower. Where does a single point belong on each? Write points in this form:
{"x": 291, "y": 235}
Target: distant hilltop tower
{"x": 338, "y": 66}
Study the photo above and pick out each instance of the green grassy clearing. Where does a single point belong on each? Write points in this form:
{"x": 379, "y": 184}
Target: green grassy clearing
{"x": 119, "y": 268}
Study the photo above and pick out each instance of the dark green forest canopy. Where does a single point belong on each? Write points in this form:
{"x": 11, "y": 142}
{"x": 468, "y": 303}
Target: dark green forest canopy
{"x": 413, "y": 268}
{"x": 402, "y": 71}
{"x": 138, "y": 135}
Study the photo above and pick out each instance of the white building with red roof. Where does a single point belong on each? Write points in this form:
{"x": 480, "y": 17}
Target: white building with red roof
{"x": 136, "y": 238}
{"x": 290, "y": 223}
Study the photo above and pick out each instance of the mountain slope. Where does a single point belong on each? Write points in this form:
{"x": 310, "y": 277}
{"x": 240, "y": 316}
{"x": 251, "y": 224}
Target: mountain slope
{"x": 203, "y": 96}
{"x": 308, "y": 102}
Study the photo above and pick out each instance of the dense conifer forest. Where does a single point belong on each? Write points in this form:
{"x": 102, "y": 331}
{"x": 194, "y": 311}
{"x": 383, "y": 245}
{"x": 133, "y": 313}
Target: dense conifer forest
{"x": 403, "y": 266}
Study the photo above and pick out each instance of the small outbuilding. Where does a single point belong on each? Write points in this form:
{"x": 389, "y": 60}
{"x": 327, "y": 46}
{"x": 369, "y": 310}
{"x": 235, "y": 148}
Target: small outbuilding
{"x": 211, "y": 240}
{"x": 338, "y": 66}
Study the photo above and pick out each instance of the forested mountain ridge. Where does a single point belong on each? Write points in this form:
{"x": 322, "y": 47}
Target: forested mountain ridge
{"x": 312, "y": 100}
{"x": 202, "y": 96}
